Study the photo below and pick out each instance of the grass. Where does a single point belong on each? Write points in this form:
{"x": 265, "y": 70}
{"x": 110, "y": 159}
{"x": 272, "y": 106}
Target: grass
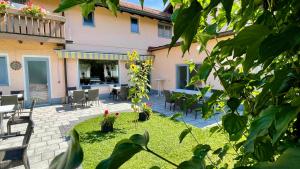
{"x": 164, "y": 140}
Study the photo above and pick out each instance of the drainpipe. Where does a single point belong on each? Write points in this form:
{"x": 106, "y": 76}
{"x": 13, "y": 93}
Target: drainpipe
{"x": 66, "y": 77}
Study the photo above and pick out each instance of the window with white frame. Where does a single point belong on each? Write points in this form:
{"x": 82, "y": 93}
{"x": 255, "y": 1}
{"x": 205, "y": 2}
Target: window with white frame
{"x": 164, "y": 30}
{"x": 94, "y": 72}
{"x": 184, "y": 76}
{"x": 3, "y": 71}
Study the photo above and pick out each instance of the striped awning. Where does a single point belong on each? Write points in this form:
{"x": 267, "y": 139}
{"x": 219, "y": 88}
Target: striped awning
{"x": 96, "y": 55}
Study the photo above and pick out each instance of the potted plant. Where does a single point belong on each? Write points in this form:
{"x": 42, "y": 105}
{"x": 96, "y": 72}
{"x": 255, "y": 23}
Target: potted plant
{"x": 144, "y": 115}
{"x": 33, "y": 10}
{"x": 4, "y": 5}
{"x": 107, "y": 125}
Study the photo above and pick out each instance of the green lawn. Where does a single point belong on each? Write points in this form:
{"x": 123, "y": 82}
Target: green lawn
{"x": 163, "y": 140}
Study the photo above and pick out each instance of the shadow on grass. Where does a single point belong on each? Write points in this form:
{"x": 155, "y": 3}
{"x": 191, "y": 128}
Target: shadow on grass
{"x": 98, "y": 136}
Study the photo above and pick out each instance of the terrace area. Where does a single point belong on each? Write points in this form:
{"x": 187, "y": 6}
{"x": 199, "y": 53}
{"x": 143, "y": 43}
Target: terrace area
{"x": 53, "y": 122}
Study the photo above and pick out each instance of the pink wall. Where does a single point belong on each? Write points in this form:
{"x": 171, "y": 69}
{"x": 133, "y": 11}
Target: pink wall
{"x": 17, "y": 51}
{"x": 111, "y": 34}
{"x": 164, "y": 66}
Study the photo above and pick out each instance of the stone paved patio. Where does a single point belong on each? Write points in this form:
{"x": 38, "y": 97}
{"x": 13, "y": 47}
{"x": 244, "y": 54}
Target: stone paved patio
{"x": 52, "y": 122}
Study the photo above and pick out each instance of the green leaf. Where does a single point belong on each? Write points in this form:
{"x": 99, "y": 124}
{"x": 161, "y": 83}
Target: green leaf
{"x": 260, "y": 126}
{"x": 175, "y": 116}
{"x": 205, "y": 70}
{"x": 224, "y": 151}
{"x": 123, "y": 151}
{"x": 263, "y": 151}
{"x": 201, "y": 150}
{"x": 66, "y": 4}
{"x": 186, "y": 25}
{"x": 141, "y": 140}
{"x": 233, "y": 104}
{"x": 87, "y": 8}
{"x": 290, "y": 159}
{"x": 234, "y": 123}
{"x": 194, "y": 163}
{"x": 70, "y": 159}
{"x": 275, "y": 44}
{"x": 214, "y": 129}
{"x": 142, "y": 3}
{"x": 227, "y": 4}
{"x": 283, "y": 118}
{"x": 113, "y": 6}
{"x": 155, "y": 167}
{"x": 184, "y": 133}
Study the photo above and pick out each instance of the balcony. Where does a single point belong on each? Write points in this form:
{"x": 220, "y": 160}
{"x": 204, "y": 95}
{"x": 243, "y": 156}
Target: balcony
{"x": 15, "y": 25}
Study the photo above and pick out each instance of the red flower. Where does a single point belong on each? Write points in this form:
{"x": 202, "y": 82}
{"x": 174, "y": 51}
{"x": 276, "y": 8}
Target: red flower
{"x": 106, "y": 112}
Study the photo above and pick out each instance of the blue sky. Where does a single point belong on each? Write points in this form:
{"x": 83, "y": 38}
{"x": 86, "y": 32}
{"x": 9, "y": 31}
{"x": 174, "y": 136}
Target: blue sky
{"x": 155, "y": 4}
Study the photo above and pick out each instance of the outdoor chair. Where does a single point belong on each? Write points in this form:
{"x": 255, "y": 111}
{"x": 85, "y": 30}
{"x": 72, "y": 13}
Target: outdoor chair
{"x": 14, "y": 120}
{"x": 69, "y": 89}
{"x": 93, "y": 96}
{"x": 192, "y": 103}
{"x": 124, "y": 92}
{"x": 78, "y": 98}
{"x": 168, "y": 98}
{"x": 10, "y": 100}
{"x": 86, "y": 87}
{"x": 0, "y": 93}
{"x": 179, "y": 101}
{"x": 17, "y": 156}
{"x": 20, "y": 99}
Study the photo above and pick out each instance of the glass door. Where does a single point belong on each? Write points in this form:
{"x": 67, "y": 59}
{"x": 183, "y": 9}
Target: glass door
{"x": 37, "y": 78}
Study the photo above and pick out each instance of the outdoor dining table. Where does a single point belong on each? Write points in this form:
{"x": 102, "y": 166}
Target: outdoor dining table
{"x": 118, "y": 88}
{"x": 5, "y": 109}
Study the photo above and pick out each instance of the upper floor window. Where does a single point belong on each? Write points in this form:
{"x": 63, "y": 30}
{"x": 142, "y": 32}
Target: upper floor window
{"x": 164, "y": 30}
{"x": 134, "y": 25}
{"x": 89, "y": 20}
{"x": 3, "y": 71}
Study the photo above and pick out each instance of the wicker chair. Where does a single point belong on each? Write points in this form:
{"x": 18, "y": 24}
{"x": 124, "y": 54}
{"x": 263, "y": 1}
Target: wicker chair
{"x": 14, "y": 120}
{"x": 124, "y": 92}
{"x": 168, "y": 98}
{"x": 78, "y": 98}
{"x": 17, "y": 156}
{"x": 20, "y": 99}
{"x": 93, "y": 96}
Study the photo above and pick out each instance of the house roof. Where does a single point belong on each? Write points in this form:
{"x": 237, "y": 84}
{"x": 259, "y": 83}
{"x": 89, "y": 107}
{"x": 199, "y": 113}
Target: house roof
{"x": 146, "y": 11}
{"x": 221, "y": 34}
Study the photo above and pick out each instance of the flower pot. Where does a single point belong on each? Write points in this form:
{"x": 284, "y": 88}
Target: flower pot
{"x": 105, "y": 128}
{"x": 143, "y": 116}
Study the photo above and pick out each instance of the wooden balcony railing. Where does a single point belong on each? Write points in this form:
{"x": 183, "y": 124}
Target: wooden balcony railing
{"x": 14, "y": 24}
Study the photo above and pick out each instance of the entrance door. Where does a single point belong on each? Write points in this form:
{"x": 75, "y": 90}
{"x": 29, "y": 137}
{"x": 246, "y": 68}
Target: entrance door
{"x": 37, "y": 80}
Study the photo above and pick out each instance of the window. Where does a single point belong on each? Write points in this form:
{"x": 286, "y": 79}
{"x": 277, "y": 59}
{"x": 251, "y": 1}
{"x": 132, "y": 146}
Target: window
{"x": 134, "y": 25}
{"x": 94, "y": 72}
{"x": 89, "y": 20}
{"x": 164, "y": 30}
{"x": 184, "y": 76}
{"x": 3, "y": 71}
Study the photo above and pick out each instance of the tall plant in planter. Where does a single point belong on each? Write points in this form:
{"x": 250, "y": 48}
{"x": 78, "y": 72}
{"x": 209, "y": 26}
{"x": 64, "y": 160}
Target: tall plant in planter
{"x": 139, "y": 71}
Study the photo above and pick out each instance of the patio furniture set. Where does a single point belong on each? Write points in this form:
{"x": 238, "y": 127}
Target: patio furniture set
{"x": 10, "y": 106}
{"x": 83, "y": 97}
{"x": 186, "y": 102}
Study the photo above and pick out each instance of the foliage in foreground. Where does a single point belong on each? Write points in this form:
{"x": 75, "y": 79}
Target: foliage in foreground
{"x": 258, "y": 68}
